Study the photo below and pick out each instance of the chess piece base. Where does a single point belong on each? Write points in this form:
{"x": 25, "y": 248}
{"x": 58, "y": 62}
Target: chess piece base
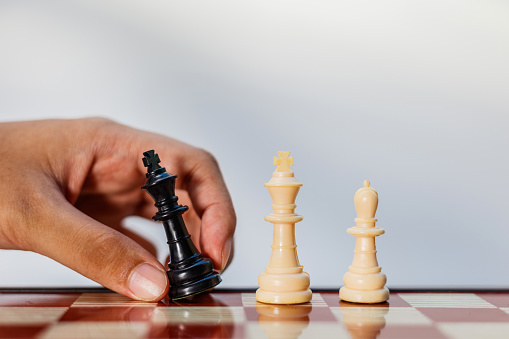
{"x": 364, "y": 297}
{"x": 298, "y": 297}
{"x": 194, "y": 287}
{"x": 284, "y": 288}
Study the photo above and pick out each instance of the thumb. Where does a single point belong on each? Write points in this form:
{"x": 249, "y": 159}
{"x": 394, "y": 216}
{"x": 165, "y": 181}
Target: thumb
{"x": 97, "y": 251}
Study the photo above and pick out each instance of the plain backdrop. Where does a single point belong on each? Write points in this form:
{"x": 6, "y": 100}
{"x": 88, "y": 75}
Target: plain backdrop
{"x": 412, "y": 95}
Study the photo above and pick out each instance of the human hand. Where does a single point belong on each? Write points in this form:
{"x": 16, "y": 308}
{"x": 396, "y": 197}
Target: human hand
{"x": 66, "y": 185}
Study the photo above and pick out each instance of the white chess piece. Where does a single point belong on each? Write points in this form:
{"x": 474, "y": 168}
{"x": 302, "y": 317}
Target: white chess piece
{"x": 284, "y": 281}
{"x": 365, "y": 281}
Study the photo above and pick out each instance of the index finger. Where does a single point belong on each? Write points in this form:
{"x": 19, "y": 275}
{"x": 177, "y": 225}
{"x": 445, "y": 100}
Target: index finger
{"x": 213, "y": 204}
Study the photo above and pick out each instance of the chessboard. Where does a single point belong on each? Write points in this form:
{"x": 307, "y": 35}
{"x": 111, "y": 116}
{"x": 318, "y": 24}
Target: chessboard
{"x": 237, "y": 314}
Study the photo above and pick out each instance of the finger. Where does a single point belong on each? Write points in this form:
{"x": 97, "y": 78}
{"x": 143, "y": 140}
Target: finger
{"x": 97, "y": 251}
{"x": 213, "y": 204}
{"x": 144, "y": 242}
{"x": 108, "y": 211}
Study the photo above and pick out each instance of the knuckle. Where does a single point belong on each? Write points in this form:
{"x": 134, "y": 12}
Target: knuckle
{"x": 99, "y": 249}
{"x": 207, "y": 157}
{"x": 98, "y": 121}
{"x": 95, "y": 125}
{"x": 97, "y": 246}
{"x": 97, "y": 131}
{"x": 23, "y": 223}
{"x": 234, "y": 221}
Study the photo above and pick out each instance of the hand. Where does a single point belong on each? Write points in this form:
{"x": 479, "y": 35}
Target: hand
{"x": 67, "y": 184}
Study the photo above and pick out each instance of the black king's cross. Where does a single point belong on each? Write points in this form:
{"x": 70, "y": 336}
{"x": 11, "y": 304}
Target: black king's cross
{"x": 151, "y": 160}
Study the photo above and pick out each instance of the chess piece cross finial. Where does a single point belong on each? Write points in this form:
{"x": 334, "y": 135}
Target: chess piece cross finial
{"x": 284, "y": 162}
{"x": 151, "y": 160}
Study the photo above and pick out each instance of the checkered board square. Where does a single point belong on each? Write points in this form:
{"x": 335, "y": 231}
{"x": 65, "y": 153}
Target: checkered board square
{"x": 224, "y": 314}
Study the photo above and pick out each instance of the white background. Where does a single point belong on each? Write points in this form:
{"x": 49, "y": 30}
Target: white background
{"x": 412, "y": 95}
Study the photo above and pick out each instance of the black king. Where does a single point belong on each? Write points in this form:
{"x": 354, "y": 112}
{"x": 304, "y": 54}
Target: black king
{"x": 189, "y": 272}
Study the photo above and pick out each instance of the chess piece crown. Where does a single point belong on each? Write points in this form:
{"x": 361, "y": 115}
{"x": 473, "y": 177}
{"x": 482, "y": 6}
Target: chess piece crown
{"x": 283, "y": 189}
{"x": 160, "y": 185}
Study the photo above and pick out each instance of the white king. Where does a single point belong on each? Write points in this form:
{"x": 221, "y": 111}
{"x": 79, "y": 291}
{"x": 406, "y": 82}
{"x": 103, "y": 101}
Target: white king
{"x": 283, "y": 281}
{"x": 365, "y": 281}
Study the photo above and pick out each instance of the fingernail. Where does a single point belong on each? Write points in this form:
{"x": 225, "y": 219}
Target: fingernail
{"x": 147, "y": 282}
{"x": 227, "y": 248}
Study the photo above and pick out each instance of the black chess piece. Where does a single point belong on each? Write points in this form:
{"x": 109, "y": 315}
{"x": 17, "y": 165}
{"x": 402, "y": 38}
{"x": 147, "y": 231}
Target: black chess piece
{"x": 189, "y": 272}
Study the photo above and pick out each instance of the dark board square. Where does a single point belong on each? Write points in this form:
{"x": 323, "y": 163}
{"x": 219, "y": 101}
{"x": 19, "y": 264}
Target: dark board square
{"x": 465, "y": 314}
{"x": 20, "y": 331}
{"x": 129, "y": 313}
{"x": 197, "y": 331}
{"x": 411, "y": 331}
{"x": 208, "y": 299}
{"x": 38, "y": 299}
{"x": 497, "y": 299}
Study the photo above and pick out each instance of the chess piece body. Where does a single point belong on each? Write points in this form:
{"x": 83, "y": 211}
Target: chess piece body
{"x": 365, "y": 281}
{"x": 284, "y": 281}
{"x": 189, "y": 272}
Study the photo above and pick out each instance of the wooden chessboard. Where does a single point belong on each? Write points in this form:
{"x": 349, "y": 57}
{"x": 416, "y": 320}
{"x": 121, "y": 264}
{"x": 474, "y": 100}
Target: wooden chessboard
{"x": 233, "y": 314}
